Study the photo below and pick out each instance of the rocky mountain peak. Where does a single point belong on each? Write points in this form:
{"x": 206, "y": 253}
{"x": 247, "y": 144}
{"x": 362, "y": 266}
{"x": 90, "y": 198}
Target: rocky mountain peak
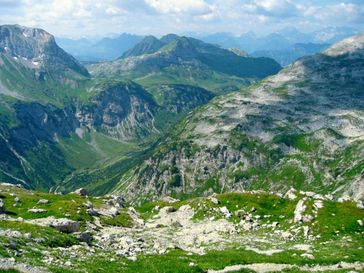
{"x": 25, "y": 42}
{"x": 149, "y": 44}
{"x": 35, "y": 48}
{"x": 169, "y": 38}
{"x": 353, "y": 45}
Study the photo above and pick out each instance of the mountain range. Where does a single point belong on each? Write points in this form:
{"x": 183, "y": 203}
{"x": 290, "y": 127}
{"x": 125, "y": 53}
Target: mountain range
{"x": 181, "y": 156}
{"x": 108, "y": 126}
{"x": 302, "y": 129}
{"x": 285, "y": 46}
{"x": 95, "y": 50}
{"x": 58, "y": 120}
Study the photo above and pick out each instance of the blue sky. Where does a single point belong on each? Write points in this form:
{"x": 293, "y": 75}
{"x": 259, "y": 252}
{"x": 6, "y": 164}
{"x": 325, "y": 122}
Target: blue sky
{"x": 82, "y": 18}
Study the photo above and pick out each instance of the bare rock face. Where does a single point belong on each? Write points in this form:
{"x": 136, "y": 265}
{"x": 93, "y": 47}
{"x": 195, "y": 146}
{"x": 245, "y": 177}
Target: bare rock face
{"x": 37, "y": 49}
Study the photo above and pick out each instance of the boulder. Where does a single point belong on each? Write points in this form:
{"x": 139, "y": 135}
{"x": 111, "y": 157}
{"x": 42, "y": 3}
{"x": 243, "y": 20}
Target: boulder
{"x": 81, "y": 191}
{"x": 299, "y": 210}
{"x": 85, "y": 237}
{"x": 114, "y": 211}
{"x": 166, "y": 210}
{"x": 214, "y": 200}
{"x": 65, "y": 225}
{"x": 291, "y": 194}
{"x": 43, "y": 202}
{"x": 119, "y": 201}
{"x": 92, "y": 212}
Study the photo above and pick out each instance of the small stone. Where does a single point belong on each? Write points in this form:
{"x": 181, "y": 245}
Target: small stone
{"x": 360, "y": 205}
{"x": 240, "y": 213}
{"x": 360, "y": 222}
{"x": 43, "y": 202}
{"x": 16, "y": 199}
{"x": 132, "y": 258}
{"x": 88, "y": 204}
{"x": 177, "y": 224}
{"x": 307, "y": 256}
{"x": 225, "y": 211}
{"x": 286, "y": 235}
{"x": 35, "y": 210}
{"x": 214, "y": 200}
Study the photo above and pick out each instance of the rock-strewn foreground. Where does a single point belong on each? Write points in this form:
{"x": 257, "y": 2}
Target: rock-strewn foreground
{"x": 236, "y": 232}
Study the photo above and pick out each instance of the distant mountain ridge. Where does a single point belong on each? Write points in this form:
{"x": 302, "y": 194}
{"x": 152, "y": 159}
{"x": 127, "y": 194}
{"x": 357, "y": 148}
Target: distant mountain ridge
{"x": 280, "y": 45}
{"x": 100, "y": 50}
{"x": 179, "y": 59}
{"x": 285, "y": 46}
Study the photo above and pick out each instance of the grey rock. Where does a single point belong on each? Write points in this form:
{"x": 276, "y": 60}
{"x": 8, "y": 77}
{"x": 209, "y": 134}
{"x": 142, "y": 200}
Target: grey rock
{"x": 35, "y": 210}
{"x": 43, "y": 202}
{"x": 114, "y": 211}
{"x": 85, "y": 237}
{"x": 119, "y": 201}
{"x": 81, "y": 191}
{"x": 92, "y": 212}
{"x": 88, "y": 204}
{"x": 2, "y": 207}
{"x": 65, "y": 225}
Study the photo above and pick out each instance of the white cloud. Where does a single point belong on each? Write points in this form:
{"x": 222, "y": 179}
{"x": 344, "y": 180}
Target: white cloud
{"x": 273, "y": 8}
{"x": 101, "y": 17}
{"x": 191, "y": 7}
